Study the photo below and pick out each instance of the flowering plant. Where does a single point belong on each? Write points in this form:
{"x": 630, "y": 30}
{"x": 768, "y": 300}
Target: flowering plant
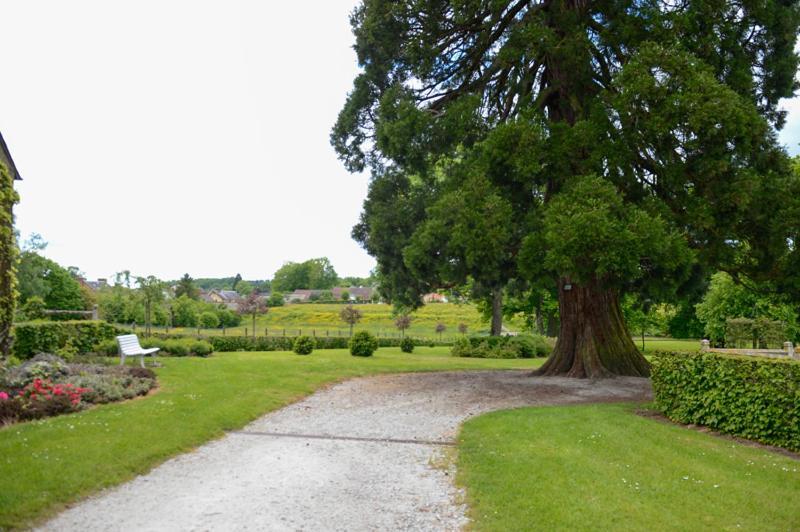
{"x": 43, "y": 390}
{"x": 3, "y": 396}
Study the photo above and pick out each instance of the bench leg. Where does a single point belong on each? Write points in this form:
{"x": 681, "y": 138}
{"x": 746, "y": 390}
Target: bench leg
{"x": 141, "y": 360}
{"x": 121, "y": 359}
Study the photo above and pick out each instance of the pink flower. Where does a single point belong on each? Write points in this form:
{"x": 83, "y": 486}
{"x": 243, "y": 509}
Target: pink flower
{"x": 3, "y": 396}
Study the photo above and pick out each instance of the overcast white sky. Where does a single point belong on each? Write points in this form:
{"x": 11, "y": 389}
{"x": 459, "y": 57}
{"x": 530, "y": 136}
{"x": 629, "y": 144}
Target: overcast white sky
{"x": 166, "y": 137}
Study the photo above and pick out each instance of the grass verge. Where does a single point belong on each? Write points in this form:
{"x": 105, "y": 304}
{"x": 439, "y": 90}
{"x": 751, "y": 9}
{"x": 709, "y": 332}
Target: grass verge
{"x": 47, "y": 464}
{"x": 602, "y": 467}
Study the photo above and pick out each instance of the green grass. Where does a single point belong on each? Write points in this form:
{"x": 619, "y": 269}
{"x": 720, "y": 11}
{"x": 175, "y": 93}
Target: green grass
{"x": 47, "y": 464}
{"x": 377, "y": 319}
{"x": 602, "y": 467}
{"x": 667, "y": 344}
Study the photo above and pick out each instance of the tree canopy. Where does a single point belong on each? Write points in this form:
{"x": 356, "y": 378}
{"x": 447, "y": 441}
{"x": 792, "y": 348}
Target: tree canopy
{"x": 314, "y": 274}
{"x": 609, "y": 147}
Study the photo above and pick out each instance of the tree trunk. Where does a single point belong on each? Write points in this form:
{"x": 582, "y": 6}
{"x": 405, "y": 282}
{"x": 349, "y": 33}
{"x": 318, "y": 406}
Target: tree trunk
{"x": 497, "y": 312}
{"x": 539, "y": 317}
{"x": 593, "y": 341}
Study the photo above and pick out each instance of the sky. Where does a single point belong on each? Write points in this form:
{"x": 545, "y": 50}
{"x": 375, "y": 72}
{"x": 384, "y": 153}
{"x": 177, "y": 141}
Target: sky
{"x": 186, "y": 136}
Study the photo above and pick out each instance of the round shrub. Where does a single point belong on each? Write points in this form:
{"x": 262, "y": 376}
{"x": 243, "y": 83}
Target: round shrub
{"x": 363, "y": 344}
{"x": 407, "y": 345}
{"x": 208, "y": 320}
{"x": 303, "y": 345}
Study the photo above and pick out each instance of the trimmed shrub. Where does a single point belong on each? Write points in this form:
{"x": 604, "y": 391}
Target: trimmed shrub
{"x": 755, "y": 398}
{"x": 43, "y": 366}
{"x": 303, "y": 345}
{"x": 179, "y": 347}
{"x": 280, "y": 343}
{"x": 407, "y": 345}
{"x": 363, "y": 344}
{"x": 48, "y": 337}
{"x": 520, "y": 346}
{"x": 208, "y": 320}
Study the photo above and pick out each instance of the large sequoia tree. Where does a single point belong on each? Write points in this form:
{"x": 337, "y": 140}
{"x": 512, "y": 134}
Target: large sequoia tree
{"x": 612, "y": 145}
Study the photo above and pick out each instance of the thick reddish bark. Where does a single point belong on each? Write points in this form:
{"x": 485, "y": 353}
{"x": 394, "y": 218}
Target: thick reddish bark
{"x": 593, "y": 341}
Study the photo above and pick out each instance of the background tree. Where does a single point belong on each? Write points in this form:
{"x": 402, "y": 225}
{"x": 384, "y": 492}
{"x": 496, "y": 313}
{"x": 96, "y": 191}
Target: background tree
{"x": 345, "y": 295}
{"x": 727, "y": 299}
{"x": 252, "y": 306}
{"x": 8, "y": 260}
{"x": 402, "y": 322}
{"x": 236, "y": 281}
{"x": 208, "y": 320}
{"x": 672, "y": 109}
{"x": 275, "y": 300}
{"x": 440, "y": 328}
{"x": 186, "y": 287}
{"x": 350, "y": 315}
{"x": 314, "y": 274}
{"x": 462, "y": 328}
{"x": 244, "y": 288}
{"x": 152, "y": 291}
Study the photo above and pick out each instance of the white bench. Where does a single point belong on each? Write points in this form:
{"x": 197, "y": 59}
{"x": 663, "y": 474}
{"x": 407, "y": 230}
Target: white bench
{"x": 129, "y": 347}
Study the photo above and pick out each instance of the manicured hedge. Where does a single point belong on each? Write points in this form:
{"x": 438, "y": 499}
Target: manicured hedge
{"x": 756, "y": 398}
{"x": 280, "y": 343}
{"x": 50, "y": 336}
{"x": 179, "y": 347}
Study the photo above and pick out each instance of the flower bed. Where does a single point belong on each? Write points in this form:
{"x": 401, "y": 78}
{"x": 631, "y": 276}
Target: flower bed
{"x": 47, "y": 386}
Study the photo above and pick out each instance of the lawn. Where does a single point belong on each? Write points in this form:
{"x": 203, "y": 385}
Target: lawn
{"x": 47, "y": 464}
{"x": 602, "y": 467}
{"x": 322, "y": 318}
{"x": 667, "y": 344}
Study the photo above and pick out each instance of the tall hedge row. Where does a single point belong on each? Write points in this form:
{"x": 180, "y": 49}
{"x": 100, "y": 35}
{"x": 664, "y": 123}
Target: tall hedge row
{"x": 50, "y": 336}
{"x": 280, "y": 343}
{"x": 754, "y": 398}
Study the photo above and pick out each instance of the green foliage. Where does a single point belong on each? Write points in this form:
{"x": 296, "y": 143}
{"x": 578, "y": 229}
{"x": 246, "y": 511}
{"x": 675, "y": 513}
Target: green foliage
{"x": 186, "y": 287}
{"x": 275, "y": 300}
{"x": 314, "y": 274}
{"x": 34, "y": 308}
{"x": 754, "y": 398}
{"x": 8, "y": 260}
{"x": 761, "y": 332}
{"x": 49, "y": 337}
{"x": 520, "y": 346}
{"x": 42, "y": 277}
{"x": 727, "y": 299}
{"x": 303, "y": 345}
{"x": 179, "y": 347}
{"x": 591, "y": 233}
{"x": 363, "y": 344}
{"x": 208, "y": 320}
{"x": 184, "y": 312}
{"x": 280, "y": 343}
{"x": 407, "y": 345}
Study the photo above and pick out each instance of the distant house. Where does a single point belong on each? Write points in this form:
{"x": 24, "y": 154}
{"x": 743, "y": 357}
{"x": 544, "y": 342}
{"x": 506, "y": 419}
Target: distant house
{"x": 357, "y": 293}
{"x": 434, "y": 297}
{"x": 229, "y": 298}
{"x": 96, "y": 285}
{"x": 5, "y": 158}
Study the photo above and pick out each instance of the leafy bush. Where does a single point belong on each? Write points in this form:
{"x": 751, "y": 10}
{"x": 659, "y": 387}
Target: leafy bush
{"x": 280, "y": 343}
{"x": 407, "y": 345}
{"x": 756, "y": 398}
{"x": 43, "y": 366}
{"x": 520, "y": 346}
{"x": 208, "y": 320}
{"x": 363, "y": 344}
{"x": 303, "y": 345}
{"x": 48, "y": 337}
{"x": 110, "y": 387}
{"x": 179, "y": 347}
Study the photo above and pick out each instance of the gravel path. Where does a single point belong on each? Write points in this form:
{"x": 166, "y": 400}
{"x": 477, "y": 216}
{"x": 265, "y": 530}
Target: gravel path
{"x": 359, "y": 455}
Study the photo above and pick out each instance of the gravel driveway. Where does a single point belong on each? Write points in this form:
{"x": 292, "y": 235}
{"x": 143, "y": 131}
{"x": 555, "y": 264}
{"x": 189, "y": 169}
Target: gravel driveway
{"x": 359, "y": 455}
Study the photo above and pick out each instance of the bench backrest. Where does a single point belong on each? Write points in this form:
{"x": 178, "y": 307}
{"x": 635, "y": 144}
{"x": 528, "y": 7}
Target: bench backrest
{"x": 128, "y": 343}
